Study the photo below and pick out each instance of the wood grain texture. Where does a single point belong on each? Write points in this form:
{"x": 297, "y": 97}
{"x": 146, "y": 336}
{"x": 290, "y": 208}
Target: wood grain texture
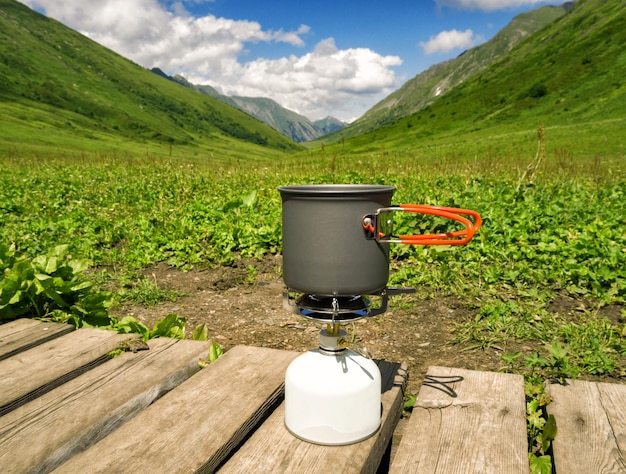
{"x": 23, "y": 334}
{"x": 49, "y": 430}
{"x": 33, "y": 372}
{"x": 591, "y": 423}
{"x": 196, "y": 425}
{"x": 465, "y": 422}
{"x": 273, "y": 449}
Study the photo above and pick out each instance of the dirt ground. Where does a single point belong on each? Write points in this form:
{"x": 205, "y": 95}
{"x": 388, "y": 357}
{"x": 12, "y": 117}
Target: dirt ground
{"x": 237, "y": 311}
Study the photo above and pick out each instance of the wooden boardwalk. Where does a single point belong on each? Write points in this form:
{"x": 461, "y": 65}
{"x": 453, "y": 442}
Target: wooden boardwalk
{"x": 466, "y": 422}
{"x": 475, "y": 422}
{"x": 591, "y": 419}
{"x": 66, "y": 407}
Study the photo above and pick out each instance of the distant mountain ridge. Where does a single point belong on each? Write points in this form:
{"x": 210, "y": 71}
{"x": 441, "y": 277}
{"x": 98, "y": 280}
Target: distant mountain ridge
{"x": 427, "y": 86}
{"x": 291, "y": 124}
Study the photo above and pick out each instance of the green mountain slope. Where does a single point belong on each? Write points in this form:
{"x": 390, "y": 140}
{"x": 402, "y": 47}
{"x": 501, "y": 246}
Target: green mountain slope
{"x": 570, "y": 76}
{"x": 60, "y": 89}
{"x": 424, "y": 88}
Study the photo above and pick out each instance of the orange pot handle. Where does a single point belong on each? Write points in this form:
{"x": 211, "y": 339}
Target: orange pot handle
{"x": 459, "y": 237}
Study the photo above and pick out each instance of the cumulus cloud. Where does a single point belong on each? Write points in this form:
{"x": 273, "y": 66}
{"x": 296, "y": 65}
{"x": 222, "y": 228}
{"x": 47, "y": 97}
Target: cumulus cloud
{"x": 449, "y": 40}
{"x": 325, "y": 81}
{"x": 212, "y": 50}
{"x": 486, "y": 5}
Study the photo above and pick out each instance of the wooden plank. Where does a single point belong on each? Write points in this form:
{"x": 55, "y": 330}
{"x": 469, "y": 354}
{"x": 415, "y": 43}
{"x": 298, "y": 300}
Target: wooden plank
{"x": 196, "y": 425}
{"x": 591, "y": 427}
{"x": 273, "y": 449}
{"x": 465, "y": 422}
{"x": 31, "y": 373}
{"x": 23, "y": 334}
{"x": 44, "y": 433}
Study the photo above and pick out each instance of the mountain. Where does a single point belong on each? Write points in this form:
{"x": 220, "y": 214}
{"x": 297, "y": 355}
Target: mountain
{"x": 568, "y": 76}
{"x": 289, "y": 123}
{"x": 329, "y": 125}
{"x": 427, "y": 86}
{"x": 60, "y": 89}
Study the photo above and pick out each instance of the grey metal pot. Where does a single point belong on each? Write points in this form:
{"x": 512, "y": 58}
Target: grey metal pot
{"x": 336, "y": 236}
{"x": 325, "y": 250}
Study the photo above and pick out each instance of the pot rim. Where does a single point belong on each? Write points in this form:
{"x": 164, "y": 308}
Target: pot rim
{"x": 336, "y": 189}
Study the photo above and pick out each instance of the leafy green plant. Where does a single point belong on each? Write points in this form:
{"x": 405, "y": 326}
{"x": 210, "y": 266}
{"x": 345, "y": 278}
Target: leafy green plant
{"x": 555, "y": 366}
{"x": 215, "y": 350}
{"x": 542, "y": 428}
{"x": 171, "y": 325}
{"x": 409, "y": 402}
{"x": 51, "y": 286}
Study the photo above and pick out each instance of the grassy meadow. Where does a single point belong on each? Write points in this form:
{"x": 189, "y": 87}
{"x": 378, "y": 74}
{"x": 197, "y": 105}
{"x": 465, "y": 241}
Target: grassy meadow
{"x": 553, "y": 224}
{"x": 74, "y": 224}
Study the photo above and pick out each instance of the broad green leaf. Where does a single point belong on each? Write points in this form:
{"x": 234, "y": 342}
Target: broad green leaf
{"x": 215, "y": 351}
{"x": 17, "y": 296}
{"x": 532, "y": 406}
{"x": 83, "y": 285}
{"x": 200, "y": 333}
{"x": 550, "y": 429}
{"x": 249, "y": 198}
{"x": 540, "y": 464}
{"x": 78, "y": 266}
{"x": 59, "y": 251}
{"x": 170, "y": 326}
{"x": 129, "y": 324}
{"x": 51, "y": 265}
{"x": 536, "y": 420}
{"x": 409, "y": 403}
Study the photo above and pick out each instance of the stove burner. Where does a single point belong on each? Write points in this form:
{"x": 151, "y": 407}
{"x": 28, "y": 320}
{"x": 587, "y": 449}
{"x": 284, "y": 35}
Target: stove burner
{"x": 333, "y": 309}
{"x": 339, "y": 309}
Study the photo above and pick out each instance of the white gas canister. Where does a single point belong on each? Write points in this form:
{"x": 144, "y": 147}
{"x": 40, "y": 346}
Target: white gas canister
{"x": 332, "y": 398}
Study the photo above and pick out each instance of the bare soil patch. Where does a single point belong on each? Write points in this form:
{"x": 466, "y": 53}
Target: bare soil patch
{"x": 238, "y": 311}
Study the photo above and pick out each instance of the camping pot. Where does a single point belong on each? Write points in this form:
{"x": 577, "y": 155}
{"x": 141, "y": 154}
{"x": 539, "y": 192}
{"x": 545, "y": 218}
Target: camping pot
{"x": 336, "y": 236}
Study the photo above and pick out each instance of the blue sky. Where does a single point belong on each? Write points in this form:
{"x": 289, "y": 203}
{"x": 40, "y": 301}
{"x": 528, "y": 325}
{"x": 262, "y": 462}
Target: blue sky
{"x": 318, "y": 58}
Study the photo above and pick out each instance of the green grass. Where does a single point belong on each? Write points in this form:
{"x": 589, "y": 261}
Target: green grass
{"x": 559, "y": 227}
{"x": 128, "y": 169}
{"x": 553, "y": 230}
{"x": 424, "y": 88}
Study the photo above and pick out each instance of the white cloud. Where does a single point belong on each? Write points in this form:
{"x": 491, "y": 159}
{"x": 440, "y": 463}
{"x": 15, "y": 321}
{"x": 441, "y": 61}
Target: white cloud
{"x": 322, "y": 82}
{"x": 212, "y": 50}
{"x": 449, "y": 40}
{"x": 487, "y": 5}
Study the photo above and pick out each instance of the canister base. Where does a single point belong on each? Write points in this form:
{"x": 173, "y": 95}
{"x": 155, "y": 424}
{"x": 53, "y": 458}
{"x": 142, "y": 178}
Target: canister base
{"x": 332, "y": 399}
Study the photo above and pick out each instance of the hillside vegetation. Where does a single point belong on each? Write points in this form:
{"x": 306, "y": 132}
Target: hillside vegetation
{"x": 424, "y": 88}
{"x": 568, "y": 77}
{"x": 61, "y": 91}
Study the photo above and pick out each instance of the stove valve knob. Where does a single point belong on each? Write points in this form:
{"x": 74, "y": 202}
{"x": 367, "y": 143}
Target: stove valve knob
{"x": 359, "y": 349}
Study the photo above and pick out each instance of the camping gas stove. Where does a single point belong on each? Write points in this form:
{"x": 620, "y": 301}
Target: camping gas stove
{"x": 336, "y": 241}
{"x": 333, "y": 393}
